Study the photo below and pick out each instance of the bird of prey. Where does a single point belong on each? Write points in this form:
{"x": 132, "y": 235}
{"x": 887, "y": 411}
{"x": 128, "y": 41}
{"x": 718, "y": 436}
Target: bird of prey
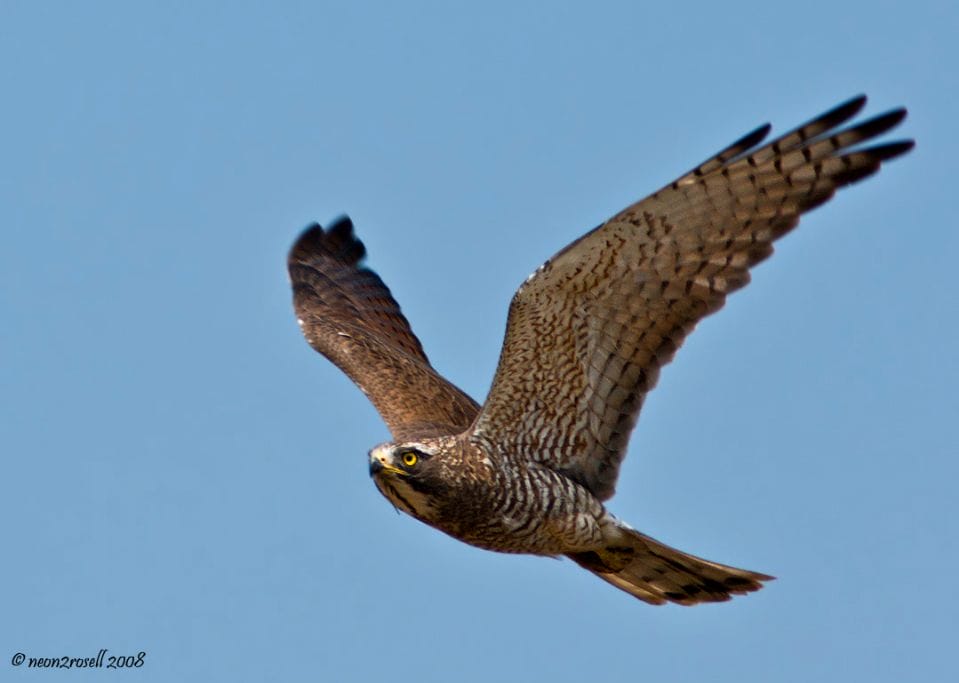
{"x": 529, "y": 470}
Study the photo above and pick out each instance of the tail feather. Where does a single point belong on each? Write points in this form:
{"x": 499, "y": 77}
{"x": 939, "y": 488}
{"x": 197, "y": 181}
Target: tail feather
{"x": 656, "y": 573}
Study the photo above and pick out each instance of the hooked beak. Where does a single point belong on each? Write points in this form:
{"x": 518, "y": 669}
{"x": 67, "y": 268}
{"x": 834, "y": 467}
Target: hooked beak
{"x": 378, "y": 463}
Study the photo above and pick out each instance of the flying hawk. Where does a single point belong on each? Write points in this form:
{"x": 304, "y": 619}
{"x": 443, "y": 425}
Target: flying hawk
{"x": 528, "y": 471}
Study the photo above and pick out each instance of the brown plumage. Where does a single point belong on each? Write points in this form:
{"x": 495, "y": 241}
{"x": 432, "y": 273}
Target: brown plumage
{"x": 586, "y": 336}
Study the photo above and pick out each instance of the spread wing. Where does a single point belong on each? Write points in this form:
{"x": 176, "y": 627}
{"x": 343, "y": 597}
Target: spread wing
{"x": 589, "y": 331}
{"x": 348, "y": 314}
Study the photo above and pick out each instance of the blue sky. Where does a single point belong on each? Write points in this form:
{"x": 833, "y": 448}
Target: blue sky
{"x": 183, "y": 476}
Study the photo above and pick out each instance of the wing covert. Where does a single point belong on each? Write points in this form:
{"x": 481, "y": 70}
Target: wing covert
{"x": 589, "y": 331}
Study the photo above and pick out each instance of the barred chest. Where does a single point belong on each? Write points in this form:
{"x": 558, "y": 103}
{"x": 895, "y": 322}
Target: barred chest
{"x": 522, "y": 508}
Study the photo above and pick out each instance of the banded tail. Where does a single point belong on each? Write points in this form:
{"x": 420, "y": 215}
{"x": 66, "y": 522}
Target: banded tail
{"x": 656, "y": 573}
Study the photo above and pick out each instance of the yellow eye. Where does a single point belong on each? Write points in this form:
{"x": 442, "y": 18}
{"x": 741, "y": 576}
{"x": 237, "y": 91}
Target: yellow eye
{"x": 409, "y": 458}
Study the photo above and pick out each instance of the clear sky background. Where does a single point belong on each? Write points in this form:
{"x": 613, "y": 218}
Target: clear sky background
{"x": 183, "y": 476}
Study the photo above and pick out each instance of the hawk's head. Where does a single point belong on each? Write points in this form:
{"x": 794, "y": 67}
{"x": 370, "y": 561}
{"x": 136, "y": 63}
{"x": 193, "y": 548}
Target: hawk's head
{"x": 412, "y": 476}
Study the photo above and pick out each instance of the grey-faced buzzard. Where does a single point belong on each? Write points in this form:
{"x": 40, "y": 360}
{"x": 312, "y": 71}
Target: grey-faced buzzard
{"x": 587, "y": 333}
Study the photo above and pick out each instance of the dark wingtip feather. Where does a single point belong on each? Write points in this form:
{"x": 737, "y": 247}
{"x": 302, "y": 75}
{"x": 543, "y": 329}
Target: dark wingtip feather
{"x": 342, "y": 225}
{"x": 846, "y": 110}
{"x": 886, "y": 121}
{"x": 835, "y": 116}
{"x": 872, "y": 160}
{"x": 309, "y": 241}
{"x": 891, "y": 150}
{"x": 878, "y": 125}
{"x": 753, "y": 138}
{"x": 338, "y": 242}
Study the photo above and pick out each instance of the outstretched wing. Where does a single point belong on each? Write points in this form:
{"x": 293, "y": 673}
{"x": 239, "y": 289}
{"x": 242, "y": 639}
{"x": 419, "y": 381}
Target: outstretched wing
{"x": 348, "y": 314}
{"x": 589, "y": 331}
